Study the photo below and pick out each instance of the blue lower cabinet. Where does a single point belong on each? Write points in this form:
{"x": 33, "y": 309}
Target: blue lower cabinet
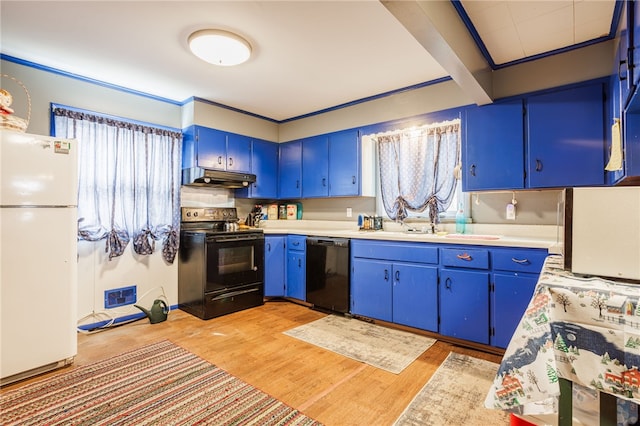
{"x": 296, "y": 282}
{"x": 464, "y": 305}
{"x": 415, "y": 296}
{"x": 296, "y": 275}
{"x": 397, "y": 289}
{"x": 371, "y": 288}
{"x": 274, "y": 266}
{"x": 511, "y": 295}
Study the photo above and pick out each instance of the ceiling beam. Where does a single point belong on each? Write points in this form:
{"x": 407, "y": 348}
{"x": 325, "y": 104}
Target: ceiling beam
{"x": 438, "y": 28}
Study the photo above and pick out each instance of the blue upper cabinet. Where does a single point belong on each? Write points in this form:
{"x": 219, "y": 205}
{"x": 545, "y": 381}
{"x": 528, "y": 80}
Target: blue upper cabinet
{"x": 216, "y": 150}
{"x": 632, "y": 142}
{"x": 238, "y": 153}
{"x": 315, "y": 167}
{"x": 566, "y": 138}
{"x": 493, "y": 147}
{"x": 624, "y": 58}
{"x": 330, "y": 165}
{"x": 290, "y": 170}
{"x": 344, "y": 163}
{"x": 264, "y": 164}
{"x": 634, "y": 40}
{"x": 210, "y": 148}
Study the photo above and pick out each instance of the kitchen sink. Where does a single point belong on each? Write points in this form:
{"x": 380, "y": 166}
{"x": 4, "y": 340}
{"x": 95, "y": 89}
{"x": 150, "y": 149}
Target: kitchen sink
{"x": 472, "y": 237}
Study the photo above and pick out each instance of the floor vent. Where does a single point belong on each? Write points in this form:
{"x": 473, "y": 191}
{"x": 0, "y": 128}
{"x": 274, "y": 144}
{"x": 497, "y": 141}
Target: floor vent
{"x": 120, "y": 297}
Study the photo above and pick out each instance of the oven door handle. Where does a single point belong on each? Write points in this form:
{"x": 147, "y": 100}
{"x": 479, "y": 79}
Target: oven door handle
{"x": 227, "y": 239}
{"x": 235, "y": 293}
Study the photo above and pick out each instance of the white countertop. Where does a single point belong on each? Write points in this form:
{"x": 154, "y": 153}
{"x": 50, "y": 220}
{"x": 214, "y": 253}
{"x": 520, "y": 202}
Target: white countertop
{"x": 534, "y": 236}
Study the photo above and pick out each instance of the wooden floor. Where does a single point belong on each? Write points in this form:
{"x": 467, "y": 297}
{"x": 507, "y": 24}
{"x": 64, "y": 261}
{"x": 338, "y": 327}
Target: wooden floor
{"x": 328, "y": 387}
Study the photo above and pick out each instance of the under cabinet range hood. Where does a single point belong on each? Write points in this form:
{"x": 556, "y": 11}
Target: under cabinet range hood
{"x": 197, "y": 176}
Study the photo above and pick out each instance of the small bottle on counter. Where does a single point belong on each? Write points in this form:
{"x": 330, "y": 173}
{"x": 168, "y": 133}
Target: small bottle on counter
{"x": 461, "y": 221}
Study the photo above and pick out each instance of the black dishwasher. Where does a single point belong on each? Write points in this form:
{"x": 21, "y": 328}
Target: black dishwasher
{"x": 328, "y": 273}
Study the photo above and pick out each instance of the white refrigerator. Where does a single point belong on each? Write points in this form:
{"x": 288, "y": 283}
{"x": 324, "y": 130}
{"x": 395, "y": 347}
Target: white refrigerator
{"x": 38, "y": 254}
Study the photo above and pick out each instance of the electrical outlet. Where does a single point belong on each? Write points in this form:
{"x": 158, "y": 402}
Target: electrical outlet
{"x": 349, "y": 212}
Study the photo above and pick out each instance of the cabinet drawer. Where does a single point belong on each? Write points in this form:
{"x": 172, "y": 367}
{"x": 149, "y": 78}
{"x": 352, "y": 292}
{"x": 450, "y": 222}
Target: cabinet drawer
{"x": 399, "y": 252}
{"x": 297, "y": 242}
{"x": 466, "y": 258}
{"x": 519, "y": 260}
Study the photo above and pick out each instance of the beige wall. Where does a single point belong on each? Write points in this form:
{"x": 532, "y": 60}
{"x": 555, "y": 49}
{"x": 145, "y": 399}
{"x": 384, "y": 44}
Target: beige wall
{"x": 209, "y": 115}
{"x": 95, "y": 272}
{"x": 46, "y": 87}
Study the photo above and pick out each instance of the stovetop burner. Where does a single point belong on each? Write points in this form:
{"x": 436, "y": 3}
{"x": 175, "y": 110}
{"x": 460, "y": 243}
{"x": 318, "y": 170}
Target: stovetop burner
{"x": 213, "y": 220}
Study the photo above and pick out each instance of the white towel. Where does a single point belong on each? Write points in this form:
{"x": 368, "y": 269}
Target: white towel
{"x": 615, "y": 161}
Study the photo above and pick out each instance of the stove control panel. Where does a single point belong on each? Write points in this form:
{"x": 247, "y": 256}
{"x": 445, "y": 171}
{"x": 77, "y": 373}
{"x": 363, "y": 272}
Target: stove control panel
{"x": 209, "y": 214}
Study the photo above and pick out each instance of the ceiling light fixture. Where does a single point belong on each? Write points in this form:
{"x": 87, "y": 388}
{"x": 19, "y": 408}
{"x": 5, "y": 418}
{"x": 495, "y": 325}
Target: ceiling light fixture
{"x": 219, "y": 47}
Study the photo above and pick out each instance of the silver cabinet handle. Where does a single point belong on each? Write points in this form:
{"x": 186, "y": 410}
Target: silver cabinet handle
{"x": 520, "y": 261}
{"x": 464, "y": 256}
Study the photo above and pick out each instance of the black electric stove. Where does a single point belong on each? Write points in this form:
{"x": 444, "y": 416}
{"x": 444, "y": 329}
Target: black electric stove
{"x": 220, "y": 266}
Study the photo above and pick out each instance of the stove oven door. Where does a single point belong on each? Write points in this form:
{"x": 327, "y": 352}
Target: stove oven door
{"x": 234, "y": 261}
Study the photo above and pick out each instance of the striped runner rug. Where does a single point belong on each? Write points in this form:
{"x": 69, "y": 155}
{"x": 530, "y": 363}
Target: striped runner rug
{"x": 159, "y": 384}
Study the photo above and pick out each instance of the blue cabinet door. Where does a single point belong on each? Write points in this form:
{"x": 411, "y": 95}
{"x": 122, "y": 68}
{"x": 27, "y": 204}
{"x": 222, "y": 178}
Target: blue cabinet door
{"x": 189, "y": 147}
{"x": 315, "y": 167}
{"x": 415, "y": 296}
{"x": 632, "y": 139}
{"x": 566, "y": 138}
{"x": 211, "y": 148}
{"x": 464, "y": 305}
{"x": 493, "y": 147}
{"x": 290, "y": 173}
{"x": 264, "y": 164}
{"x": 296, "y": 275}
{"x": 344, "y": 164}
{"x": 274, "y": 265}
{"x": 238, "y": 153}
{"x": 511, "y": 295}
{"x": 371, "y": 288}
{"x": 633, "y": 21}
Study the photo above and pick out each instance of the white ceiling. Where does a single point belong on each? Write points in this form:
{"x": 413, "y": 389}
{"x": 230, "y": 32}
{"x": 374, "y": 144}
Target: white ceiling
{"x": 307, "y": 55}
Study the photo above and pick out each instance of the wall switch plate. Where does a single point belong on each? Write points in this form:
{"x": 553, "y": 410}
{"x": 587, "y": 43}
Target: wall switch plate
{"x": 511, "y": 212}
{"x": 349, "y": 212}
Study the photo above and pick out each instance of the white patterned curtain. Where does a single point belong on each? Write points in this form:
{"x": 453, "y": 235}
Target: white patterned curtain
{"x": 129, "y": 182}
{"x": 417, "y": 169}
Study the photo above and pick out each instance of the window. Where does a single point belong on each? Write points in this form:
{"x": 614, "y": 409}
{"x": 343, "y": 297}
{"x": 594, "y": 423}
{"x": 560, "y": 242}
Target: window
{"x": 419, "y": 171}
{"x": 129, "y": 181}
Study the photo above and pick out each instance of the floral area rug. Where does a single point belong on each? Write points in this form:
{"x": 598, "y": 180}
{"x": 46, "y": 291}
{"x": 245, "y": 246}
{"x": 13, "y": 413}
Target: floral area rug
{"x": 382, "y": 347}
{"x": 455, "y": 395}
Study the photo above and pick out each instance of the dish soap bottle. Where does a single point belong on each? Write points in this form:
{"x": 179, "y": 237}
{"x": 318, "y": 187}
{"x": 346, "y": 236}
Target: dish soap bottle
{"x": 461, "y": 220}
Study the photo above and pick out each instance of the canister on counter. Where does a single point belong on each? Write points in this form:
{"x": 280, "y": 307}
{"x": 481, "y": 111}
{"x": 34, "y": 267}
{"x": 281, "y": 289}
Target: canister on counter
{"x": 272, "y": 212}
{"x": 292, "y": 211}
{"x": 377, "y": 220}
{"x": 282, "y": 211}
